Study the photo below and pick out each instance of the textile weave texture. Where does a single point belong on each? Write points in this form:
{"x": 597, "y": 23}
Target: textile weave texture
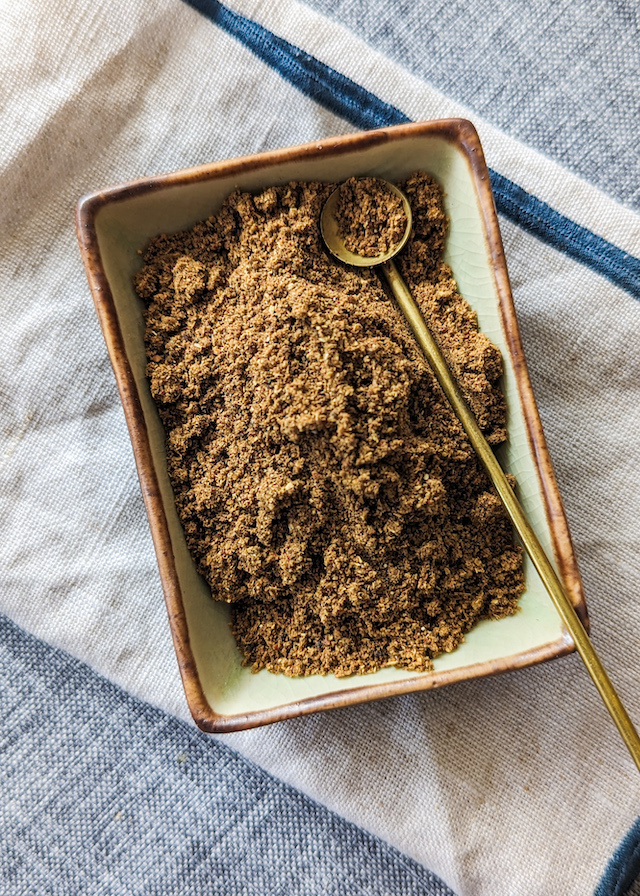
{"x": 517, "y": 784}
{"x": 562, "y": 77}
{"x": 104, "y": 795}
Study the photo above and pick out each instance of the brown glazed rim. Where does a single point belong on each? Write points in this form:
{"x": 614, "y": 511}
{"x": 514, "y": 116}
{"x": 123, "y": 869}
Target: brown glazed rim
{"x": 463, "y": 134}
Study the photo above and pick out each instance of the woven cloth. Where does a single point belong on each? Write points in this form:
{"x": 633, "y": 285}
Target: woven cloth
{"x": 122, "y": 798}
{"x": 517, "y": 784}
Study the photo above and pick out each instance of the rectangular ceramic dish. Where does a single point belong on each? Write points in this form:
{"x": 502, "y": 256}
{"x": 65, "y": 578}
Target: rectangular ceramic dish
{"x": 114, "y": 224}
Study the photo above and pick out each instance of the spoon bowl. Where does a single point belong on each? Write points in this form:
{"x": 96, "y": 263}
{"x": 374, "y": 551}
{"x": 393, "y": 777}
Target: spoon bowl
{"x": 334, "y": 240}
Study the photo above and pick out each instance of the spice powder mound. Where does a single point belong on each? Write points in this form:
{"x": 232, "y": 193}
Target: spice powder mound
{"x": 325, "y": 487}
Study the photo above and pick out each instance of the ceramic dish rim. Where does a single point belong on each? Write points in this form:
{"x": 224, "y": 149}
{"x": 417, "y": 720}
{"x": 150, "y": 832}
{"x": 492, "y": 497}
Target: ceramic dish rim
{"x": 463, "y": 134}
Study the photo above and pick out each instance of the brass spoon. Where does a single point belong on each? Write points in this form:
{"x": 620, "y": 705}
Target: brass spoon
{"x": 562, "y": 603}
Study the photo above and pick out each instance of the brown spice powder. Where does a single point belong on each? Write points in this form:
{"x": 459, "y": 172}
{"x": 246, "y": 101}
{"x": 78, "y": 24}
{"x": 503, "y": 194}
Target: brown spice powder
{"x": 325, "y": 486}
{"x": 371, "y": 218}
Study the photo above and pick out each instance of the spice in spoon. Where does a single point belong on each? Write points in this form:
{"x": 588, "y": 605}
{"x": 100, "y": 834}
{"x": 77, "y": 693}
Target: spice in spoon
{"x": 370, "y": 217}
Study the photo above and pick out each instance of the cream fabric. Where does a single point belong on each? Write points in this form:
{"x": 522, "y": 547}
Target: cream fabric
{"x": 517, "y": 784}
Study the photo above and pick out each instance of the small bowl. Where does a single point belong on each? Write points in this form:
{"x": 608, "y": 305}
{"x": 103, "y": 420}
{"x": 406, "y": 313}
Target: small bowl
{"x": 114, "y": 224}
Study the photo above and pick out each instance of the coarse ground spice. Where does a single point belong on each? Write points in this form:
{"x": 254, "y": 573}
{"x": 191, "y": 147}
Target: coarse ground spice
{"x": 325, "y": 486}
{"x": 371, "y": 218}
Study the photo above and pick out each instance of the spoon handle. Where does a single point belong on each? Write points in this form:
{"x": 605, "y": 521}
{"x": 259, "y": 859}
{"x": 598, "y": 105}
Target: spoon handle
{"x": 513, "y": 507}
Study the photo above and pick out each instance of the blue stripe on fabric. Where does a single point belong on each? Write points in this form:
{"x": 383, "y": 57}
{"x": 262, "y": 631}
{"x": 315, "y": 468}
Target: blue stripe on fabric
{"x": 316, "y": 80}
{"x": 365, "y": 110}
{"x": 624, "y": 866}
{"x": 564, "y": 234}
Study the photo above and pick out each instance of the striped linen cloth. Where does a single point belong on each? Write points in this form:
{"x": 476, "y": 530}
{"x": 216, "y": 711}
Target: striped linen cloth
{"x": 516, "y": 784}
